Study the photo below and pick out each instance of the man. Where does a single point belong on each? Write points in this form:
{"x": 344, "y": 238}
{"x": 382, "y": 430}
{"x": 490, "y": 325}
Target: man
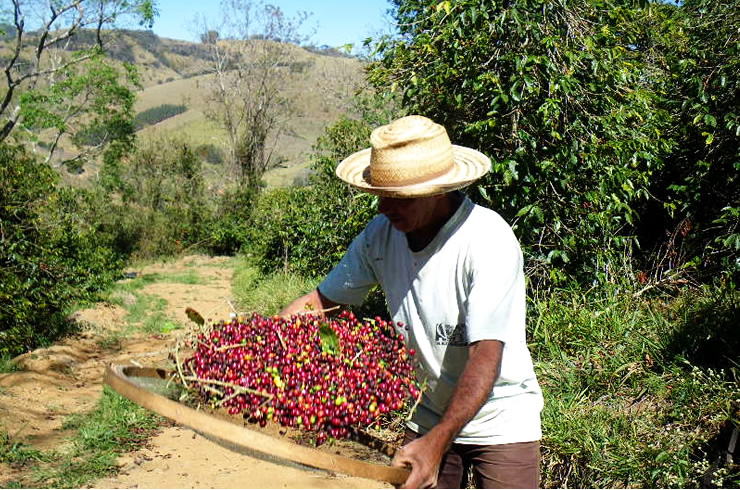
{"x": 452, "y": 273}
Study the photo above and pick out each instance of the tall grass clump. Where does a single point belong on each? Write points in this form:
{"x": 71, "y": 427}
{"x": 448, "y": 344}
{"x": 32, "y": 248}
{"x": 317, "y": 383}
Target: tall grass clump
{"x": 266, "y": 294}
{"x": 633, "y": 397}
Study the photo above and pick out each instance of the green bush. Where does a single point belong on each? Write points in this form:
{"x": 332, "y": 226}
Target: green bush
{"x": 164, "y": 205}
{"x": 608, "y": 123}
{"x": 229, "y": 229}
{"x": 698, "y": 194}
{"x": 560, "y": 108}
{"x": 210, "y": 153}
{"x": 309, "y": 228}
{"x": 50, "y": 257}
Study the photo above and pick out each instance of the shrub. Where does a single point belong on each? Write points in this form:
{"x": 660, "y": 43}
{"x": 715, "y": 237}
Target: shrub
{"x": 210, "y": 153}
{"x": 50, "y": 257}
{"x": 229, "y": 228}
{"x": 311, "y": 227}
{"x": 164, "y": 207}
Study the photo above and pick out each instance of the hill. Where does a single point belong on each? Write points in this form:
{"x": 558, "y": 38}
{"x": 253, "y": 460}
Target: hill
{"x": 321, "y": 92}
{"x": 174, "y": 73}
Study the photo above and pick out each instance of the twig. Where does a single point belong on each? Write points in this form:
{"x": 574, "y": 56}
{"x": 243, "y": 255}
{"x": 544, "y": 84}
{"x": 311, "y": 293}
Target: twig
{"x": 325, "y": 310}
{"x": 417, "y": 401}
{"x": 280, "y": 338}
{"x": 244, "y": 389}
{"x": 232, "y": 307}
{"x": 227, "y": 347}
{"x": 356, "y": 356}
{"x": 179, "y": 366}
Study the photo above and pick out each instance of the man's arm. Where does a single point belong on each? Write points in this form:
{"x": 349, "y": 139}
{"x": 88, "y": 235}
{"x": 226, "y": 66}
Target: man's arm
{"x": 424, "y": 454}
{"x": 311, "y": 302}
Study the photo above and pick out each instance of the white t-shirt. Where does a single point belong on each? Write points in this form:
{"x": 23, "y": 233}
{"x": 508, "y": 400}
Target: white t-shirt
{"x": 466, "y": 285}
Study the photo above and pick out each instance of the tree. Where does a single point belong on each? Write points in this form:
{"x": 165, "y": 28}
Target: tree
{"x": 699, "y": 190}
{"x": 251, "y": 63}
{"x": 553, "y": 91}
{"x": 48, "y": 85}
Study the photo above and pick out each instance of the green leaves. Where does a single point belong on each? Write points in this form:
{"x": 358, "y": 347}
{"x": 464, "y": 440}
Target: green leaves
{"x": 569, "y": 100}
{"x": 50, "y": 257}
{"x": 329, "y": 339}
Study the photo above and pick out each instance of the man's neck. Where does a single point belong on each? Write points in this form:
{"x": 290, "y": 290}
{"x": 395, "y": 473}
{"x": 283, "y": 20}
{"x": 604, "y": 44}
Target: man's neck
{"x": 445, "y": 208}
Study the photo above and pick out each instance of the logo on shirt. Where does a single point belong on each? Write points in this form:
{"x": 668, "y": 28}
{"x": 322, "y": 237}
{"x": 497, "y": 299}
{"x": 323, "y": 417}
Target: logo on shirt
{"x": 450, "y": 334}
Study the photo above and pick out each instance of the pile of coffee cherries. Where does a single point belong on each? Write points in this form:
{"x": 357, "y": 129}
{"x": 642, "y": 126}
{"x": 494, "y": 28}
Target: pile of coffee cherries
{"x": 323, "y": 376}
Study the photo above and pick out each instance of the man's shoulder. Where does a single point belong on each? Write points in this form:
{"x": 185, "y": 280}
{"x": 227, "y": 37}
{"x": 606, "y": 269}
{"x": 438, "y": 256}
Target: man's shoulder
{"x": 378, "y": 232}
{"x": 486, "y": 219}
{"x": 379, "y": 225}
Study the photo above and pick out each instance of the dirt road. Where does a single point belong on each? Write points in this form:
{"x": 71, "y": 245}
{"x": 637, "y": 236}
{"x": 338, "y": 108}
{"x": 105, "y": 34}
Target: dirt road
{"x": 66, "y": 379}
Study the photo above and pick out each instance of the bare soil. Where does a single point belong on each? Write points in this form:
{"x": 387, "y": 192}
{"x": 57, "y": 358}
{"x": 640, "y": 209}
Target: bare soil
{"x": 66, "y": 379}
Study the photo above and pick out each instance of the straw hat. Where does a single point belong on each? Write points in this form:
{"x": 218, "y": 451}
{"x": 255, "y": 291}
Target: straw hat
{"x": 412, "y": 157}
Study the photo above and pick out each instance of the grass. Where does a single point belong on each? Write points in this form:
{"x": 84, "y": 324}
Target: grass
{"x": 7, "y": 365}
{"x": 116, "y": 425}
{"x": 640, "y": 392}
{"x": 18, "y": 453}
{"x": 630, "y": 401}
{"x": 145, "y": 312}
{"x": 266, "y": 295}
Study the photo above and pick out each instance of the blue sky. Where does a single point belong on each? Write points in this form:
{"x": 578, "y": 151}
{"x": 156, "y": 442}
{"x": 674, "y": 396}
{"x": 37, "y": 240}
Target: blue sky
{"x": 336, "y": 22}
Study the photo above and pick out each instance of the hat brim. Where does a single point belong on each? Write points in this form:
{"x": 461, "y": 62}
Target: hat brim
{"x": 469, "y": 166}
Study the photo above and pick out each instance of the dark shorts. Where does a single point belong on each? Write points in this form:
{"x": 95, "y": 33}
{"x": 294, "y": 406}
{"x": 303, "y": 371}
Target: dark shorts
{"x": 514, "y": 465}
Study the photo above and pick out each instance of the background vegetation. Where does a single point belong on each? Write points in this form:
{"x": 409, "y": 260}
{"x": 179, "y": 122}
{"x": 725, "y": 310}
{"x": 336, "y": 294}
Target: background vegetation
{"x": 613, "y": 129}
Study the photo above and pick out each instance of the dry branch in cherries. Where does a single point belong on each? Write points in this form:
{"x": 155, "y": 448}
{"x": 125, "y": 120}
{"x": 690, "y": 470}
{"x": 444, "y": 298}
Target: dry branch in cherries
{"x": 323, "y": 376}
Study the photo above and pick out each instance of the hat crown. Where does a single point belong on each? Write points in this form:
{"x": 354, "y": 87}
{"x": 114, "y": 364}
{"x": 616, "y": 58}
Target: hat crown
{"x": 408, "y": 151}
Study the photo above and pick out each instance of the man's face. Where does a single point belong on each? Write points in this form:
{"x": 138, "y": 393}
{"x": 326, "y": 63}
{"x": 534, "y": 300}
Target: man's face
{"x": 408, "y": 215}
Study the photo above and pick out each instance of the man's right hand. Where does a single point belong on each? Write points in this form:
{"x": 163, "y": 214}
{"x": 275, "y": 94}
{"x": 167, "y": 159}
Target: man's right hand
{"x": 308, "y": 303}
{"x": 423, "y": 456}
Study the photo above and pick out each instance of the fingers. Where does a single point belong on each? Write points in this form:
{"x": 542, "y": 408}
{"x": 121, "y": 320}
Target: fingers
{"x": 421, "y": 476}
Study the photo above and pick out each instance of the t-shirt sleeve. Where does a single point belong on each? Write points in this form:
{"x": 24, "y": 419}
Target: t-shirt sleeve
{"x": 496, "y": 308}
{"x": 352, "y": 278}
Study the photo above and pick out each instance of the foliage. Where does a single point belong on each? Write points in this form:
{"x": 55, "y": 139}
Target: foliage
{"x": 560, "y": 107}
{"x": 697, "y": 48}
{"x": 629, "y": 403}
{"x": 50, "y": 257}
{"x": 229, "y": 231}
{"x": 210, "y": 153}
{"x": 311, "y": 227}
{"x": 50, "y": 64}
{"x": 164, "y": 207}
{"x": 91, "y": 104}
{"x": 153, "y": 115}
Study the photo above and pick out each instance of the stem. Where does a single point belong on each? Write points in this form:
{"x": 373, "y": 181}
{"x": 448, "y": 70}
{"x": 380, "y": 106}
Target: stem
{"x": 243, "y": 389}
